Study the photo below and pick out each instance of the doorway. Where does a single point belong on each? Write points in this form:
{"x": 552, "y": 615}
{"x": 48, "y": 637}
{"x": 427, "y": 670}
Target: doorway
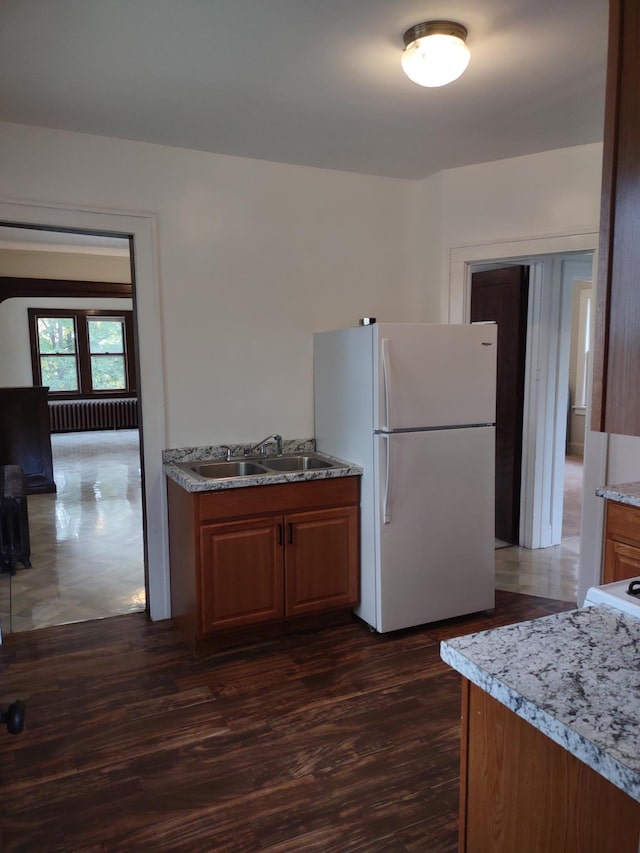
{"x": 141, "y": 230}
{"x": 87, "y": 541}
{"x": 554, "y": 281}
{"x": 456, "y": 301}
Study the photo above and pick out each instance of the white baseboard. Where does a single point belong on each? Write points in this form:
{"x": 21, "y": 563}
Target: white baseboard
{"x": 575, "y": 449}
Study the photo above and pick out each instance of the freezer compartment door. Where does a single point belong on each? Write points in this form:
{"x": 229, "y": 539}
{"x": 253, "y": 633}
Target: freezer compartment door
{"x": 435, "y": 375}
{"x": 435, "y": 522}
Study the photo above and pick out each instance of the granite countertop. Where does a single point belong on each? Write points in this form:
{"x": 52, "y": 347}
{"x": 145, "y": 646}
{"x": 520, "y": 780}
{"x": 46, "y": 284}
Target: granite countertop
{"x": 575, "y": 676}
{"x": 173, "y": 458}
{"x": 626, "y": 493}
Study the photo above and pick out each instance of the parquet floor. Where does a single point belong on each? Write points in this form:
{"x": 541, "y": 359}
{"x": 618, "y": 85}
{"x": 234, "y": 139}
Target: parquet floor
{"x": 338, "y": 740}
{"x": 87, "y": 551}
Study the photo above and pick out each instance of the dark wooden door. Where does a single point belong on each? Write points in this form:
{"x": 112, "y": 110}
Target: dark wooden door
{"x": 502, "y": 295}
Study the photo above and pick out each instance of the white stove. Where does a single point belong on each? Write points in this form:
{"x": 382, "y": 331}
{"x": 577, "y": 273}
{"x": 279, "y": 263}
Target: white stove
{"x": 617, "y": 595}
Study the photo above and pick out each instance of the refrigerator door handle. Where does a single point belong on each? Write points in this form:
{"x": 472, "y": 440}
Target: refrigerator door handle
{"x": 386, "y": 509}
{"x": 386, "y": 373}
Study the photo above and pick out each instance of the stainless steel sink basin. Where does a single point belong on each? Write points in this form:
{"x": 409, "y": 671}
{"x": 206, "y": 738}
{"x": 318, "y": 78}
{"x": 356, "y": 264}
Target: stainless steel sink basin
{"x": 262, "y": 466}
{"x": 303, "y": 462}
{"x": 220, "y": 470}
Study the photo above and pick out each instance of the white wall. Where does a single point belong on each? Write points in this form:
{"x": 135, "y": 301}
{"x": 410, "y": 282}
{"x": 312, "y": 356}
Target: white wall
{"x": 240, "y": 262}
{"x": 253, "y": 258}
{"x": 536, "y": 196}
{"x": 424, "y": 248}
{"x": 623, "y": 462}
{"x": 550, "y": 193}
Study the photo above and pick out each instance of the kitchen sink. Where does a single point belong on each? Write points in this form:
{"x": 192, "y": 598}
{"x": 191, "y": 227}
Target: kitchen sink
{"x": 220, "y": 470}
{"x": 257, "y": 466}
{"x": 297, "y": 463}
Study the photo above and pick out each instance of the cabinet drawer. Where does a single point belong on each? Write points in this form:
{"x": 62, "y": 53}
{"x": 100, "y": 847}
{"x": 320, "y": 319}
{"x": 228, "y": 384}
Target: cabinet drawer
{"x": 288, "y": 497}
{"x": 623, "y": 523}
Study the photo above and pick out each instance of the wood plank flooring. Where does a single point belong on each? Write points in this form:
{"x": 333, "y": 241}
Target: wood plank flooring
{"x": 335, "y": 740}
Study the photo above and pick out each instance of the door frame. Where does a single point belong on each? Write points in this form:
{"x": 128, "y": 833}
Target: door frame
{"x": 141, "y": 228}
{"x": 456, "y": 307}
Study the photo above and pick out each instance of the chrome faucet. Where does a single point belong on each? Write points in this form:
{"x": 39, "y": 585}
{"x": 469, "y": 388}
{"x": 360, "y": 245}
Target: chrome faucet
{"x": 262, "y": 448}
{"x": 228, "y": 449}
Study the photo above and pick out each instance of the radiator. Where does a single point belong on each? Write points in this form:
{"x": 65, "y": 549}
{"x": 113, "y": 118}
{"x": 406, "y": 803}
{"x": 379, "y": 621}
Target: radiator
{"x": 81, "y": 415}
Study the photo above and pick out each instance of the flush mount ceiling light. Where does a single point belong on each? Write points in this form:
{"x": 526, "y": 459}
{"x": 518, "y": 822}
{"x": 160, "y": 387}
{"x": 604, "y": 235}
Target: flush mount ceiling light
{"x": 435, "y": 53}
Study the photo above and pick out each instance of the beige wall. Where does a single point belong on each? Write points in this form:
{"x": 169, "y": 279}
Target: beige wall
{"x": 65, "y": 265}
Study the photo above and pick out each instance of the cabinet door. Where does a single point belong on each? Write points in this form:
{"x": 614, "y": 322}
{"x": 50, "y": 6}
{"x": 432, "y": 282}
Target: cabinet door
{"x": 504, "y": 804}
{"x": 321, "y": 560}
{"x": 622, "y": 542}
{"x": 241, "y": 573}
{"x": 620, "y": 561}
{"x": 615, "y": 399}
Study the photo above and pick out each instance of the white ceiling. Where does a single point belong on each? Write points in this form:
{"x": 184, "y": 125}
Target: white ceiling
{"x": 313, "y": 82}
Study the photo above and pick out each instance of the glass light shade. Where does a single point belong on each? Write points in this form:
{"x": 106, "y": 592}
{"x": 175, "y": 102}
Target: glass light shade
{"x": 435, "y": 59}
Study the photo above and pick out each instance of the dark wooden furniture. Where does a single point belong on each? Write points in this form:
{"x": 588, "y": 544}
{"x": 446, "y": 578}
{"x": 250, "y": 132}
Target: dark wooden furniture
{"x": 521, "y": 791}
{"x": 621, "y": 542}
{"x": 616, "y": 402}
{"x": 25, "y": 439}
{"x": 23, "y": 286}
{"x": 15, "y": 546}
{"x": 251, "y": 556}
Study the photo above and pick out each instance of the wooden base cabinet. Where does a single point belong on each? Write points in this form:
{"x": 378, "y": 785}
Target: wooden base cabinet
{"x": 520, "y": 791}
{"x": 321, "y": 552}
{"x": 241, "y": 579}
{"x": 621, "y": 542}
{"x": 265, "y": 554}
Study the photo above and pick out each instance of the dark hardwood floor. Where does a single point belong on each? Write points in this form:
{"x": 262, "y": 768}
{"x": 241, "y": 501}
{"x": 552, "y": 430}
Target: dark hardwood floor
{"x": 337, "y": 740}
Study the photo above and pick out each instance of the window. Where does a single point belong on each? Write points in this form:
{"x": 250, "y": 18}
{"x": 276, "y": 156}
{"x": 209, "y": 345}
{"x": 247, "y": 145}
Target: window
{"x": 83, "y": 353}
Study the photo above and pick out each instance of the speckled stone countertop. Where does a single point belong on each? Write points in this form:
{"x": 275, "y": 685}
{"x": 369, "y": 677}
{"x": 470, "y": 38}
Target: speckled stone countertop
{"x": 626, "y": 493}
{"x": 575, "y": 676}
{"x": 193, "y": 483}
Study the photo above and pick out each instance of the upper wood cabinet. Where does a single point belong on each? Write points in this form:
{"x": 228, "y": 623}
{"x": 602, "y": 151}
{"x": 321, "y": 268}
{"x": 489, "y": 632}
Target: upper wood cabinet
{"x": 616, "y": 366}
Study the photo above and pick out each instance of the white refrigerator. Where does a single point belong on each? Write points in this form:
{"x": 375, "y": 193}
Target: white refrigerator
{"x": 414, "y": 404}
